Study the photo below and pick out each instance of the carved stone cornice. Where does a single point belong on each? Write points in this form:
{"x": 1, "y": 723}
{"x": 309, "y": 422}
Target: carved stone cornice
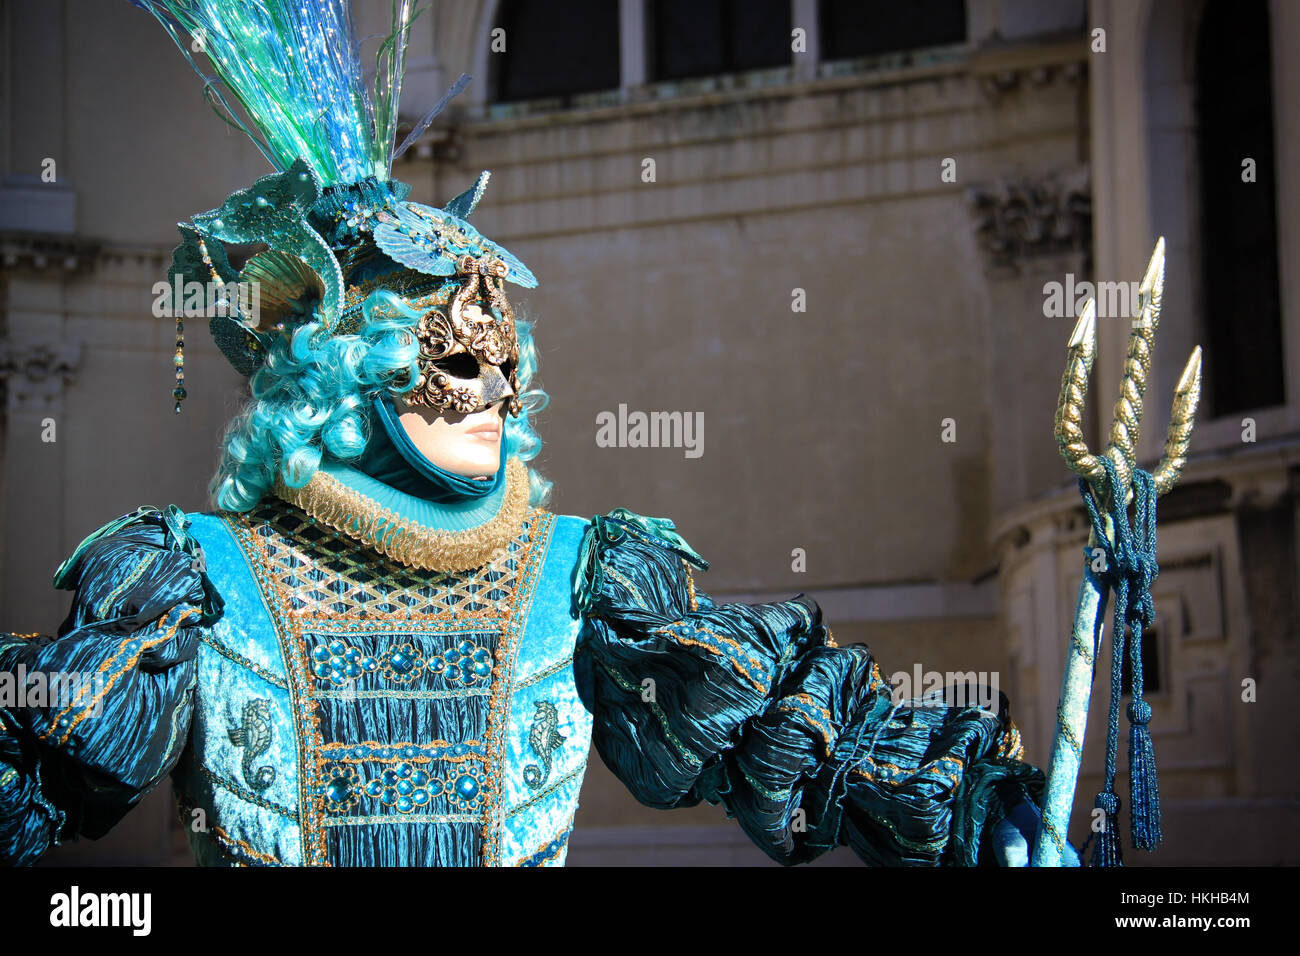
{"x": 34, "y": 252}
{"x": 1001, "y": 67}
{"x": 35, "y": 374}
{"x": 1021, "y": 217}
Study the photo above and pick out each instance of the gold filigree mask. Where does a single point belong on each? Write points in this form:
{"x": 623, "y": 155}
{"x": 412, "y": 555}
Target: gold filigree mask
{"x": 469, "y": 355}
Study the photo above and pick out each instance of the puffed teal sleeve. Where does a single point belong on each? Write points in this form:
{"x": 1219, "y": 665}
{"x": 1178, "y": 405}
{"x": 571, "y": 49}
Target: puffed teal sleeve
{"x": 755, "y": 707}
{"x": 95, "y": 718}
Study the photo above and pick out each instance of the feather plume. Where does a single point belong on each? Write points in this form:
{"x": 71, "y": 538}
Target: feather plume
{"x": 293, "y": 69}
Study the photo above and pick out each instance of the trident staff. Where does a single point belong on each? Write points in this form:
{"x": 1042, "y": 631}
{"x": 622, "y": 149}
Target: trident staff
{"x": 1086, "y": 633}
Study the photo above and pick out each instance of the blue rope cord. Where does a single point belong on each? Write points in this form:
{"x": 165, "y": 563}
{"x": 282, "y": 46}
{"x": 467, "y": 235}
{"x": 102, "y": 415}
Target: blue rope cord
{"x": 1130, "y": 569}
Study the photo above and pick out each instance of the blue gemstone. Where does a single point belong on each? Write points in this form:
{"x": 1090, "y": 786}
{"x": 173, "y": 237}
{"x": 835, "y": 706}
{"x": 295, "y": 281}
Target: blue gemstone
{"x": 465, "y": 648}
{"x": 419, "y": 778}
{"x": 482, "y": 656}
{"x": 467, "y": 788}
{"x": 390, "y": 797}
{"x": 405, "y": 804}
{"x": 374, "y": 788}
{"x": 460, "y": 750}
{"x": 405, "y": 787}
{"x": 403, "y": 770}
{"x": 320, "y": 653}
{"x": 400, "y": 662}
{"x": 453, "y": 672}
{"x": 368, "y": 664}
{"x": 420, "y": 797}
{"x": 389, "y": 777}
{"x": 337, "y": 648}
{"x": 338, "y": 789}
{"x": 481, "y": 669}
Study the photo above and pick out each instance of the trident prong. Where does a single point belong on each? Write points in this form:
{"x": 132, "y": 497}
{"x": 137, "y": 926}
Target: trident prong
{"x": 1181, "y": 422}
{"x": 1085, "y": 635}
{"x": 1127, "y": 421}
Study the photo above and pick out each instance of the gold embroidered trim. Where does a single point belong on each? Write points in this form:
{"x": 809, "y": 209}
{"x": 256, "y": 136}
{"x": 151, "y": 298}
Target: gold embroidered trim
{"x": 107, "y": 682}
{"x": 693, "y": 601}
{"x": 331, "y": 502}
{"x": 1009, "y": 744}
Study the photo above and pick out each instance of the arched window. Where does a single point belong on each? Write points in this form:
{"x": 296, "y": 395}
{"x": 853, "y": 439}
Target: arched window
{"x": 1234, "y": 106}
{"x": 706, "y": 37}
{"x": 556, "y": 48}
{"x": 850, "y": 29}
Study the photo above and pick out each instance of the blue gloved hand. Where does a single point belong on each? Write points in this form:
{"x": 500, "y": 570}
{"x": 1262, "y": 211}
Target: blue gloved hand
{"x": 1014, "y": 837}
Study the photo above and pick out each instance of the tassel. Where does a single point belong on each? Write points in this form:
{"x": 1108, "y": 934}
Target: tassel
{"x": 1107, "y": 850}
{"x": 1144, "y": 788}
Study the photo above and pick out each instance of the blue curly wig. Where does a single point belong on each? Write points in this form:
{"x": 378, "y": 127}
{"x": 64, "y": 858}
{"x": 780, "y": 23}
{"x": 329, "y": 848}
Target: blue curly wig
{"x": 311, "y": 399}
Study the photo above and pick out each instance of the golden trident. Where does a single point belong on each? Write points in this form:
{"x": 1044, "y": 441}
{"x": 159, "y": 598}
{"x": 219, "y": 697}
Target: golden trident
{"x": 1127, "y": 423}
{"x": 1076, "y": 685}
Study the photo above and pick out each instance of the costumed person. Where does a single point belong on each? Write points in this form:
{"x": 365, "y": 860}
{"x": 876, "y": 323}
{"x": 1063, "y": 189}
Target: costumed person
{"x": 382, "y": 649}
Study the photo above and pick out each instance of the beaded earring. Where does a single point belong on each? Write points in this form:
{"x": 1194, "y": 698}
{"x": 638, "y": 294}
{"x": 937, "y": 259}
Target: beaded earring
{"x": 178, "y": 392}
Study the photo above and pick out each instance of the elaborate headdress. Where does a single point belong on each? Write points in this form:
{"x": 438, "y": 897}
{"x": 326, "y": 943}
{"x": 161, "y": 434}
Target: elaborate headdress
{"x": 334, "y": 224}
{"x": 339, "y": 233}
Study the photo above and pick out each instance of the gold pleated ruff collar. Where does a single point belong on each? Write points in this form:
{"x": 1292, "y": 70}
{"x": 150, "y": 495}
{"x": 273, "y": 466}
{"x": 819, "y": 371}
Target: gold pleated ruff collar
{"x": 363, "y": 519}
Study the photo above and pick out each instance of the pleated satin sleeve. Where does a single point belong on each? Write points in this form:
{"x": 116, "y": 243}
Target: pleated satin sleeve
{"x": 105, "y": 709}
{"x": 754, "y": 707}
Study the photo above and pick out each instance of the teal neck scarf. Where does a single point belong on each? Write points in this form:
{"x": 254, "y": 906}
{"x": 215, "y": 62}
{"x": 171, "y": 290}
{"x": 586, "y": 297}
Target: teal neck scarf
{"x": 392, "y": 458}
{"x": 394, "y": 473}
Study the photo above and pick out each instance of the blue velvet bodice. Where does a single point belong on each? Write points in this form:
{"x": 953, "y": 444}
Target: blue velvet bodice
{"x": 350, "y": 711}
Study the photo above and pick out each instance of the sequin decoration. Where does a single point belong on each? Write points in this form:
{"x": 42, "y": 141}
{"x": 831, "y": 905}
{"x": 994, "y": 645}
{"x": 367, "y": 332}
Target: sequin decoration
{"x": 407, "y": 787}
{"x": 430, "y": 240}
{"x": 273, "y": 210}
{"x": 467, "y": 664}
{"x": 342, "y": 788}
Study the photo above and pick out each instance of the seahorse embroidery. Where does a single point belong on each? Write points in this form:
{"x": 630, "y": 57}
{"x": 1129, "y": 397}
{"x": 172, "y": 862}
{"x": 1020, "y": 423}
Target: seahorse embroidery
{"x": 254, "y": 735}
{"x": 545, "y": 739}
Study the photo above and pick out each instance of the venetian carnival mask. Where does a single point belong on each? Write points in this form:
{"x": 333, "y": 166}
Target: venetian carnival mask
{"x": 468, "y": 350}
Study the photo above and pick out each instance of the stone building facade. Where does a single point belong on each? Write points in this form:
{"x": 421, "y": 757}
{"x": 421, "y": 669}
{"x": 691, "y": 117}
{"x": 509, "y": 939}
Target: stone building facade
{"x": 841, "y": 261}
